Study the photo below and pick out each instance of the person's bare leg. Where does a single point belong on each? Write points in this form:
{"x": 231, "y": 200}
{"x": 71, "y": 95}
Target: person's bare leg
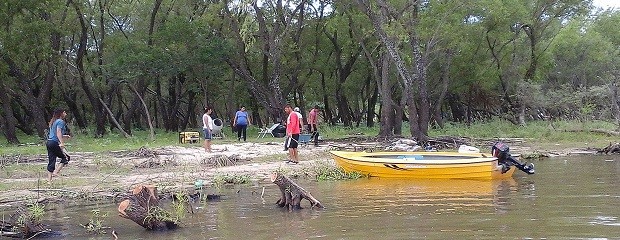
{"x": 291, "y": 155}
{"x": 295, "y": 155}
{"x": 49, "y": 177}
{"x": 208, "y": 145}
{"x": 59, "y": 167}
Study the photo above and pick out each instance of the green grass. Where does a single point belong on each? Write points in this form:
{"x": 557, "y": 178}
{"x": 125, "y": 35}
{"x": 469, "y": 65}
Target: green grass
{"x": 567, "y": 133}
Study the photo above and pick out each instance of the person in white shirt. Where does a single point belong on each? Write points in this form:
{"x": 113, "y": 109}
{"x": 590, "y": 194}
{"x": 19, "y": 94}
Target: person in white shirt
{"x": 301, "y": 119}
{"x": 207, "y": 128}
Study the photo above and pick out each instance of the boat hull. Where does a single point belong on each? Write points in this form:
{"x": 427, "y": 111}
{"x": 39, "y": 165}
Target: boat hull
{"x": 422, "y": 165}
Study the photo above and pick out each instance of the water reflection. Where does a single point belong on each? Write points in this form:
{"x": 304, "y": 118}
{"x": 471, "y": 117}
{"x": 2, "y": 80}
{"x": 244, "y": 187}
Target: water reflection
{"x": 419, "y": 197}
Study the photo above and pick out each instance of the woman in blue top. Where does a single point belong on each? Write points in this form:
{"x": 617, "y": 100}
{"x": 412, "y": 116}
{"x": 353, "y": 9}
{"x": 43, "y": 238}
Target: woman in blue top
{"x": 55, "y": 143}
{"x": 241, "y": 123}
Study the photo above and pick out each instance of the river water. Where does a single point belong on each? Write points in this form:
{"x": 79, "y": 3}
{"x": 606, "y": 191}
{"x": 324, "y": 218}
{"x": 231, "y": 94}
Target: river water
{"x": 568, "y": 198}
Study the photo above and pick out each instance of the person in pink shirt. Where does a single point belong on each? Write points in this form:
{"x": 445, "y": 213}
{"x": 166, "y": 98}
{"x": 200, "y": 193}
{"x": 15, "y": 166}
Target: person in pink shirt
{"x": 292, "y": 134}
{"x": 313, "y": 124}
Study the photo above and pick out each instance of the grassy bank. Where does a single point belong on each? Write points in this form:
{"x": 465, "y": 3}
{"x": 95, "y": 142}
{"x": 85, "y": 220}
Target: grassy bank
{"x": 547, "y": 135}
{"x": 543, "y": 134}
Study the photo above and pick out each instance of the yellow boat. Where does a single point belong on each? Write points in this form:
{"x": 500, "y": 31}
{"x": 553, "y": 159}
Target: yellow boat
{"x": 422, "y": 165}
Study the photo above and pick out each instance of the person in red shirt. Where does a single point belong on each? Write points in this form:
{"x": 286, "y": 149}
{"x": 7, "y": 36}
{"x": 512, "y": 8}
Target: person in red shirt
{"x": 292, "y": 133}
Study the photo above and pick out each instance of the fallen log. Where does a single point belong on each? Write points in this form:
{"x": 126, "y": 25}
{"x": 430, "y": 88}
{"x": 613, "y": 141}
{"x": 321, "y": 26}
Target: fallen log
{"x": 142, "y": 207}
{"x": 292, "y": 194}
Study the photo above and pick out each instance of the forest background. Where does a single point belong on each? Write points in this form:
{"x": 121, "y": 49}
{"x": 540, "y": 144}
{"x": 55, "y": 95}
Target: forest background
{"x": 127, "y": 65}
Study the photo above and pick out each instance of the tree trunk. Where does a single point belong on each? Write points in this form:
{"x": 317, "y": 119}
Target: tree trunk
{"x": 445, "y": 82}
{"x": 7, "y": 120}
{"x": 72, "y": 103}
{"x": 372, "y": 102}
{"x": 292, "y": 194}
{"x": 88, "y": 89}
{"x": 146, "y": 112}
{"x": 615, "y": 98}
{"x": 419, "y": 74}
{"x": 327, "y": 107}
{"x": 189, "y": 119}
{"x": 118, "y": 125}
{"x": 387, "y": 105}
{"x": 142, "y": 207}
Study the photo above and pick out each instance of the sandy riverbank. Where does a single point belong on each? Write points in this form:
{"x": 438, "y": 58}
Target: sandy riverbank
{"x": 177, "y": 168}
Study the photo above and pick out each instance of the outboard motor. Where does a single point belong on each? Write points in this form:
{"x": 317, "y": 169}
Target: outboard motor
{"x": 502, "y": 152}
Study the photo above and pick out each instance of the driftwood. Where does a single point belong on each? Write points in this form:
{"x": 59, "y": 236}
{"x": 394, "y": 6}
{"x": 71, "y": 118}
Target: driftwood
{"x": 21, "y": 224}
{"x": 612, "y": 148}
{"x": 292, "y": 194}
{"x": 142, "y": 207}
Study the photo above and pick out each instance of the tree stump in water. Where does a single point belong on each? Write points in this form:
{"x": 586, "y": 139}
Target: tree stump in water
{"x": 21, "y": 224}
{"x": 292, "y": 194}
{"x": 142, "y": 207}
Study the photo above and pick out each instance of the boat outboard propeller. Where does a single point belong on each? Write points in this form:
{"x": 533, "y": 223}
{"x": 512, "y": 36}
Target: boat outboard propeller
{"x": 502, "y": 152}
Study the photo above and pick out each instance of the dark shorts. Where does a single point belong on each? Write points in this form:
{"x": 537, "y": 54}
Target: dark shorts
{"x": 207, "y": 134}
{"x": 292, "y": 143}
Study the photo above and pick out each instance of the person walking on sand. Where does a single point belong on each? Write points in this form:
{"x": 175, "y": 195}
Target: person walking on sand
{"x": 56, "y": 144}
{"x": 292, "y": 133}
{"x": 207, "y": 128}
{"x": 313, "y": 124}
{"x": 241, "y": 122}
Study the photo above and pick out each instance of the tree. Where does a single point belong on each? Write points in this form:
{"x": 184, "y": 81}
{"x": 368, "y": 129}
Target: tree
{"x": 518, "y": 36}
{"x": 416, "y": 96}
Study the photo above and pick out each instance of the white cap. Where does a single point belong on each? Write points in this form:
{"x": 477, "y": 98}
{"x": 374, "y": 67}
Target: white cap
{"x": 296, "y": 109}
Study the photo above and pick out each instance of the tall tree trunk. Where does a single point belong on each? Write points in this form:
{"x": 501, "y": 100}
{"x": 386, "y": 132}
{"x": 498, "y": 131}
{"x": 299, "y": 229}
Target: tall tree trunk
{"x": 190, "y": 116}
{"x": 88, "y": 90}
{"x": 133, "y": 113}
{"x": 615, "y": 98}
{"x": 7, "y": 120}
{"x": 422, "y": 104}
{"x": 74, "y": 109}
{"x": 387, "y": 106}
{"x": 344, "y": 68}
{"x": 370, "y": 108}
{"x": 327, "y": 107}
{"x": 445, "y": 82}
